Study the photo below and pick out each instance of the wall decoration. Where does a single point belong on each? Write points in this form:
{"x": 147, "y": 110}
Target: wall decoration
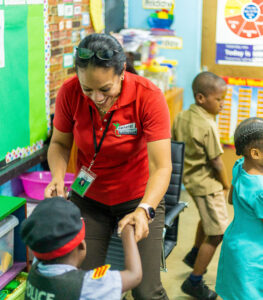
{"x": 97, "y": 15}
{"x": 22, "y": 96}
{"x": 45, "y": 34}
{"x": 60, "y": 8}
{"x": 75, "y": 36}
{"x": 83, "y": 33}
{"x": 61, "y": 25}
{"x": 68, "y": 10}
{"x": 244, "y": 99}
{"x": 85, "y": 19}
{"x": 47, "y": 65}
{"x": 15, "y": 2}
{"x": 68, "y": 60}
{"x": 239, "y": 32}
{"x": 157, "y": 4}
{"x": 68, "y": 24}
{"x": 169, "y": 42}
{"x": 77, "y": 10}
{"x": 2, "y": 41}
{"x": 34, "y": 2}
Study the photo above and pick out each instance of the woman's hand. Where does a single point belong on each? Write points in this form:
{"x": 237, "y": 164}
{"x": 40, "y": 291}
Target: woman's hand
{"x": 58, "y": 157}
{"x": 139, "y": 219}
{"x": 55, "y": 188}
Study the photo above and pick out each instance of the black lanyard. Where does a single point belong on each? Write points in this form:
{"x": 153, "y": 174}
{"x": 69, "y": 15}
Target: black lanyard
{"x": 96, "y": 147}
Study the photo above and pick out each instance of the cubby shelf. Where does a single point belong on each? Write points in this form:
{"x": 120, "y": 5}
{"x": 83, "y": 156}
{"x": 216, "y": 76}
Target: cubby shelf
{"x": 17, "y": 207}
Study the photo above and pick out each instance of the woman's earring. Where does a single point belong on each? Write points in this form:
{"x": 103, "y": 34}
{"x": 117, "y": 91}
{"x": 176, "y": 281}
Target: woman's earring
{"x": 122, "y": 77}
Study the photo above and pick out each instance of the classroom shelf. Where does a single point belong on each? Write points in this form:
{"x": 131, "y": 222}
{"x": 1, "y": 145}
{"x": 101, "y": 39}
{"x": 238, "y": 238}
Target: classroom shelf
{"x": 15, "y": 169}
{"x": 11, "y": 274}
{"x": 174, "y": 99}
{"x": 17, "y": 207}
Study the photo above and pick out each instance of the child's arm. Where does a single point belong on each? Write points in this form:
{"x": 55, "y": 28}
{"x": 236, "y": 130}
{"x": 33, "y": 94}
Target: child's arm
{"x": 230, "y": 195}
{"x": 132, "y": 275}
{"x": 220, "y": 168}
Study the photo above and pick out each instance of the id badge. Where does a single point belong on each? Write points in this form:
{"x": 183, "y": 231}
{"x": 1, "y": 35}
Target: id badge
{"x": 83, "y": 181}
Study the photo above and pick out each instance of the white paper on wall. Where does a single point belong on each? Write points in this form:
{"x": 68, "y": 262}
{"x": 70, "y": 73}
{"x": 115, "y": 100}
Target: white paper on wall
{"x": 68, "y": 24}
{"x": 68, "y": 10}
{"x": 15, "y": 2}
{"x": 61, "y": 25}
{"x": 35, "y": 1}
{"x": 68, "y": 60}
{"x": 60, "y": 10}
{"x": 85, "y": 19}
{"x": 77, "y": 10}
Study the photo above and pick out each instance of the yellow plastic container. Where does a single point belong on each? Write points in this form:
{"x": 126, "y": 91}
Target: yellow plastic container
{"x": 159, "y": 75}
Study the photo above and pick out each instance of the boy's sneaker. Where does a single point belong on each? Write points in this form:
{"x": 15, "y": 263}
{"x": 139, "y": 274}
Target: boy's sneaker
{"x": 200, "y": 291}
{"x": 190, "y": 258}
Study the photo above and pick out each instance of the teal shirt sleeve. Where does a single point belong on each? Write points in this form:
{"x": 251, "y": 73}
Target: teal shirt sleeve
{"x": 258, "y": 205}
{"x": 236, "y": 169}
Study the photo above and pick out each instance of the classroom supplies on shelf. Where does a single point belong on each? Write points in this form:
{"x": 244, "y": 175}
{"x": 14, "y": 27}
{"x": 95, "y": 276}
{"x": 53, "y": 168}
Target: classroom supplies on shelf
{"x": 7, "y": 226}
{"x": 15, "y": 289}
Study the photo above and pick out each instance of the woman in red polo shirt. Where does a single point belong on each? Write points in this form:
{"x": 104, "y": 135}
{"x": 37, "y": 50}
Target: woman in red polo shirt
{"x": 120, "y": 124}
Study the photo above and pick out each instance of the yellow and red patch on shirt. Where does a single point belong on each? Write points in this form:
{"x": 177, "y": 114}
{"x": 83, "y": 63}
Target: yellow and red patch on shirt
{"x": 100, "y": 271}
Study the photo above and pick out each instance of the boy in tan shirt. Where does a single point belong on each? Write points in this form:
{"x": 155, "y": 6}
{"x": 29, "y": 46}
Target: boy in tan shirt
{"x": 204, "y": 176}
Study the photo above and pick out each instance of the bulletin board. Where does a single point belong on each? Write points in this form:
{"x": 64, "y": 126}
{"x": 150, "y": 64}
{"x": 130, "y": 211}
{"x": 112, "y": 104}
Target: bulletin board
{"x": 239, "y": 32}
{"x": 208, "y": 57}
{"x": 23, "y": 90}
{"x": 244, "y": 99}
{"x": 245, "y": 82}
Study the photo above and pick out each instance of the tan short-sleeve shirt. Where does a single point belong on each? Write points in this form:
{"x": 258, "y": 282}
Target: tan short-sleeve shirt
{"x": 198, "y": 129}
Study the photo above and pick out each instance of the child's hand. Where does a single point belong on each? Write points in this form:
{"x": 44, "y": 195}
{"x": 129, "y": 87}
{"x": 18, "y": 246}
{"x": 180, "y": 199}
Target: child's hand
{"x": 127, "y": 230}
{"x": 139, "y": 220}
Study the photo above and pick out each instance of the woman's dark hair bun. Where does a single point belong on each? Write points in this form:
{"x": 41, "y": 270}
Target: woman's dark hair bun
{"x": 101, "y": 41}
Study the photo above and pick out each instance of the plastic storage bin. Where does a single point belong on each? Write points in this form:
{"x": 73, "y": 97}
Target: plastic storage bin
{"x": 19, "y": 292}
{"x": 7, "y": 226}
{"x": 34, "y": 183}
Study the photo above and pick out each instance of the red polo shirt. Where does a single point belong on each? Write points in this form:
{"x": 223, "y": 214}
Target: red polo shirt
{"x": 141, "y": 115}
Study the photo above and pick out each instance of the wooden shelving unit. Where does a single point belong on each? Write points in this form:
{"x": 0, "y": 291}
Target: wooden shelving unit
{"x": 174, "y": 99}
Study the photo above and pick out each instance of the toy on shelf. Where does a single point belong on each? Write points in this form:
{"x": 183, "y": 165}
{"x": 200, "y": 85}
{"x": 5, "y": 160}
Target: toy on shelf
{"x": 162, "y": 72}
{"x": 15, "y": 289}
{"x": 161, "y": 19}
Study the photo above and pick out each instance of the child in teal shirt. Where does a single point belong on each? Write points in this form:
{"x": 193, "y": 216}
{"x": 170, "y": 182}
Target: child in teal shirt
{"x": 240, "y": 269}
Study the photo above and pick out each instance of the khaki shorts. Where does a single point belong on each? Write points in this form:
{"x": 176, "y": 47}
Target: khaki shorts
{"x": 213, "y": 212}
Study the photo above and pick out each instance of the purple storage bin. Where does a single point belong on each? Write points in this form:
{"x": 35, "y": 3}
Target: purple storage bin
{"x": 35, "y": 183}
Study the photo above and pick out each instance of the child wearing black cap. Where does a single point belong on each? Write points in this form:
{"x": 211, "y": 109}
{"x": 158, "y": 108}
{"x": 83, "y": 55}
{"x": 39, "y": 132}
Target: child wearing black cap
{"x": 55, "y": 233}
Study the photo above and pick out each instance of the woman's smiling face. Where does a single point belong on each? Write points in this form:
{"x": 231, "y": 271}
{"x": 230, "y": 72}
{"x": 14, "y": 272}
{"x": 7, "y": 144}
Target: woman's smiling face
{"x": 101, "y": 85}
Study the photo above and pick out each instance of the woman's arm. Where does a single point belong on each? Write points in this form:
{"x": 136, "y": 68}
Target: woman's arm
{"x": 58, "y": 157}
{"x": 132, "y": 275}
{"x": 160, "y": 168}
